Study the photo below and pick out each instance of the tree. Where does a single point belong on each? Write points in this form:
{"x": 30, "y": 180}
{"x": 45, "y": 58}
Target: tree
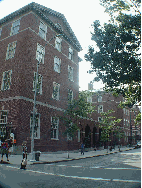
{"x": 109, "y": 125}
{"x": 76, "y": 109}
{"x": 117, "y": 60}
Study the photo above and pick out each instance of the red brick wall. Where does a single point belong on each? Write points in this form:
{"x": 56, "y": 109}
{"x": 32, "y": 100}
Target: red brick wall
{"x": 23, "y": 65}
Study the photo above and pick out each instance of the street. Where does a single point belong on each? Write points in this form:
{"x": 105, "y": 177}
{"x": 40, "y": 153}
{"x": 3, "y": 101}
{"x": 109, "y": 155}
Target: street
{"x": 114, "y": 170}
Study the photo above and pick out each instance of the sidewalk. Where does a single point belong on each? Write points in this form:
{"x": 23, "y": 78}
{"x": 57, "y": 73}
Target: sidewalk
{"x": 54, "y": 157}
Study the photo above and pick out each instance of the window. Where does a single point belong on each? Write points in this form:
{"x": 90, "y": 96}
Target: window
{"x": 100, "y": 108}
{"x": 11, "y": 50}
{"x": 40, "y": 53}
{"x": 57, "y": 63}
{"x": 0, "y": 31}
{"x": 99, "y": 98}
{"x": 100, "y": 119}
{"x": 15, "y": 27}
{"x": 3, "y": 123}
{"x": 39, "y": 83}
{"x": 70, "y": 95}
{"x": 56, "y": 89}
{"x": 58, "y": 43}
{"x": 124, "y": 110}
{"x": 69, "y": 137}
{"x": 54, "y": 127}
{"x": 6, "y": 80}
{"x": 89, "y": 99}
{"x": 70, "y": 73}
{"x": 70, "y": 53}
{"x": 42, "y": 30}
{"x": 36, "y": 126}
{"x": 126, "y": 122}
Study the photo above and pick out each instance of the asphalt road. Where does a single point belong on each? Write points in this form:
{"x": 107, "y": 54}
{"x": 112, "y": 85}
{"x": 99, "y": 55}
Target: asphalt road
{"x": 116, "y": 170}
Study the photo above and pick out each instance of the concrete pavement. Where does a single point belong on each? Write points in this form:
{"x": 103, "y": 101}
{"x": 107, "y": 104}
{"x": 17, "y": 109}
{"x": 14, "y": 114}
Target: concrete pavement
{"x": 54, "y": 157}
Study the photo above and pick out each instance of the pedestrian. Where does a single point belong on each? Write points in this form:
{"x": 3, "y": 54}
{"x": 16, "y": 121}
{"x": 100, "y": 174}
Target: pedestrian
{"x": 82, "y": 149}
{"x": 10, "y": 144}
{"x": 24, "y": 160}
{"x": 24, "y": 150}
{"x": 4, "y": 150}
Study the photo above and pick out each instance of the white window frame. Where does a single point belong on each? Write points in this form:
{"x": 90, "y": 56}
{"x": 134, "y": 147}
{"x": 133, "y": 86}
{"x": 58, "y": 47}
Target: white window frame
{"x": 58, "y": 44}
{"x": 39, "y": 83}
{"x": 70, "y": 95}
{"x": 57, "y": 91}
{"x": 37, "y": 124}
{"x": 99, "y": 98}
{"x": 55, "y": 128}
{"x": 11, "y": 50}
{"x": 6, "y": 80}
{"x": 42, "y": 30}
{"x": 70, "y": 53}
{"x": 3, "y": 121}
{"x": 89, "y": 99}
{"x": 40, "y": 53}
{"x": 57, "y": 64}
{"x": 70, "y": 73}
{"x": 99, "y": 108}
{"x": 15, "y": 27}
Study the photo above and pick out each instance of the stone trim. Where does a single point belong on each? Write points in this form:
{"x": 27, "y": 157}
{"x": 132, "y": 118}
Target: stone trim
{"x": 31, "y": 100}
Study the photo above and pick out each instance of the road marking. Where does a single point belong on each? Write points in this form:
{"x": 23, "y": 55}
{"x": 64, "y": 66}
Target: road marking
{"x": 79, "y": 177}
{"x": 61, "y": 165}
{"x": 100, "y": 167}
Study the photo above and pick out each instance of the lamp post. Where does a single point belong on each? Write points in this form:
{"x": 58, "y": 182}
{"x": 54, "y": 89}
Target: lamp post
{"x": 34, "y": 111}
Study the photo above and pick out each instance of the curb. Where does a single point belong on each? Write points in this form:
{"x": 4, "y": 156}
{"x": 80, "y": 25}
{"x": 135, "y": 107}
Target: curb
{"x": 65, "y": 160}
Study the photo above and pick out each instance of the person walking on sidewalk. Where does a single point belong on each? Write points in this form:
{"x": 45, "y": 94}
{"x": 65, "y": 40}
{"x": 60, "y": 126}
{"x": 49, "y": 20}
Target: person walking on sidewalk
{"x": 24, "y": 150}
{"x": 82, "y": 149}
{"x": 4, "y": 150}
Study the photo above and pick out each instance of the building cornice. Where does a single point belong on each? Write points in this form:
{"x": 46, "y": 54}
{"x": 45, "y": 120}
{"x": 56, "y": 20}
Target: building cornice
{"x": 43, "y": 12}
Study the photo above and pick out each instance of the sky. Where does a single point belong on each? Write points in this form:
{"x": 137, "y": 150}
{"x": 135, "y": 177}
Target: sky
{"x": 80, "y": 15}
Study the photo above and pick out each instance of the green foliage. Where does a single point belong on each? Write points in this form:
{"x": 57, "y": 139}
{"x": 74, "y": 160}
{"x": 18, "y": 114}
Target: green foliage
{"x": 117, "y": 61}
{"x": 77, "y": 109}
{"x": 138, "y": 118}
{"x": 108, "y": 125}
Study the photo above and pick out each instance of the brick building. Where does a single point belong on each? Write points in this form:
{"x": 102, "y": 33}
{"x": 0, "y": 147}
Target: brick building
{"x": 34, "y": 34}
{"x": 106, "y": 101}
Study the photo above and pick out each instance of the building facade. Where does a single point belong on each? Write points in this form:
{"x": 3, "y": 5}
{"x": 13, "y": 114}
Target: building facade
{"x": 106, "y": 101}
{"x": 35, "y": 34}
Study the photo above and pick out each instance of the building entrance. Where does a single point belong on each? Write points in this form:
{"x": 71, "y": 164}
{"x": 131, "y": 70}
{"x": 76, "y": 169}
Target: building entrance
{"x": 87, "y": 137}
